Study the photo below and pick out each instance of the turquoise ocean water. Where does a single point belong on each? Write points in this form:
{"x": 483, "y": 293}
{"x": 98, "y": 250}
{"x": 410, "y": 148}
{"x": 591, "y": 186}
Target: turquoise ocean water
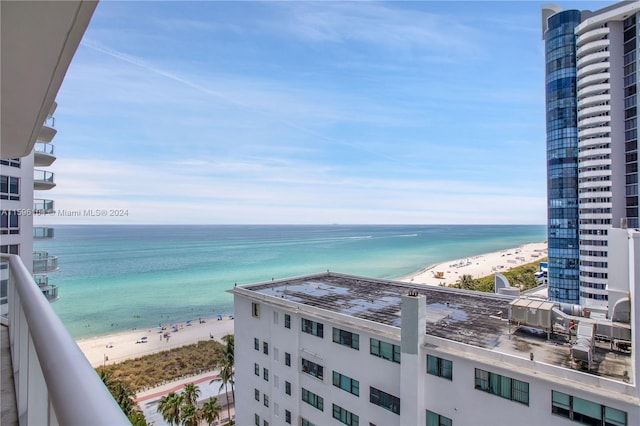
{"x": 114, "y": 278}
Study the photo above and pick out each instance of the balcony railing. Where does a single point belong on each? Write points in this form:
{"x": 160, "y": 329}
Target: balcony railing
{"x": 43, "y": 206}
{"x": 41, "y": 232}
{"x": 45, "y": 148}
{"x": 42, "y": 262}
{"x": 43, "y": 179}
{"x": 54, "y": 382}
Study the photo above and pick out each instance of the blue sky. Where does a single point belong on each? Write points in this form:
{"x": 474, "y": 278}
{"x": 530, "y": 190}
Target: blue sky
{"x": 301, "y": 112}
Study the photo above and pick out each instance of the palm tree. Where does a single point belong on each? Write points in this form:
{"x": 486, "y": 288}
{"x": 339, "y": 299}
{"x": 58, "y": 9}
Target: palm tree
{"x": 211, "y": 410}
{"x": 467, "y": 282}
{"x": 169, "y": 407}
{"x": 225, "y": 376}
{"x": 190, "y": 415}
{"x": 191, "y": 393}
{"x": 229, "y": 355}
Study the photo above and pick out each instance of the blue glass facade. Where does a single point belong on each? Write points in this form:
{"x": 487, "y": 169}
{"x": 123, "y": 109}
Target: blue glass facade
{"x": 562, "y": 157}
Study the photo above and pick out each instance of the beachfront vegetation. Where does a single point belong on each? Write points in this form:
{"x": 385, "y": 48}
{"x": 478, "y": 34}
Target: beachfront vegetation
{"x": 182, "y": 408}
{"x": 522, "y": 277}
{"x": 152, "y": 370}
{"x": 125, "y": 398}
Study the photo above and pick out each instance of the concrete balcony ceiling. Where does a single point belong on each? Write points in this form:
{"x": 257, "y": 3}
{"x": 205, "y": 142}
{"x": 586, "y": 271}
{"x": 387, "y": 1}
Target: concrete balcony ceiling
{"x": 592, "y": 69}
{"x": 40, "y": 37}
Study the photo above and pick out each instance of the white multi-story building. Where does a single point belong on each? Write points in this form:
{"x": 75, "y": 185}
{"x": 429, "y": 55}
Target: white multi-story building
{"x": 19, "y": 177}
{"x": 331, "y": 348}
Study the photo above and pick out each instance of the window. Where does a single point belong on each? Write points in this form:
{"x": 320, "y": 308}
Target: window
{"x": 256, "y": 344}
{"x": 312, "y": 369}
{"x": 9, "y": 188}
{"x": 265, "y": 423}
{"x": 265, "y": 374}
{"x": 265, "y": 348}
{"x": 313, "y": 399}
{"x": 346, "y": 338}
{"x": 346, "y": 383}
{"x": 287, "y": 321}
{"x": 287, "y": 388}
{"x": 439, "y": 367}
{"x": 255, "y": 309}
{"x": 287, "y": 359}
{"x": 384, "y": 400}
{"x": 435, "y": 419}
{"x": 256, "y": 419}
{"x": 11, "y": 162}
{"x": 9, "y": 222}
{"x": 385, "y": 350}
{"x": 503, "y": 386}
{"x": 344, "y": 416}
{"x": 256, "y": 369}
{"x": 287, "y": 417}
{"x": 265, "y": 400}
{"x": 256, "y": 394}
{"x": 305, "y": 422}
{"x": 10, "y": 248}
{"x": 586, "y": 412}
{"x": 312, "y": 327}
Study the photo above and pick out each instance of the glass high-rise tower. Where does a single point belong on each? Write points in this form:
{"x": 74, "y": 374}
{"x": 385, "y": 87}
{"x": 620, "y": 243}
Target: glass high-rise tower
{"x": 562, "y": 154}
{"x": 592, "y": 133}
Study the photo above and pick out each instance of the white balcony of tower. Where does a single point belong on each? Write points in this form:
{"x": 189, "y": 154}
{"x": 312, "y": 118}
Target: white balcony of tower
{"x": 603, "y": 99}
{"x": 592, "y": 47}
{"x": 592, "y": 79}
{"x": 593, "y": 58}
{"x": 590, "y": 35}
{"x": 43, "y": 154}
{"x": 601, "y": 109}
{"x": 594, "y": 89}
{"x": 43, "y": 180}
{"x": 42, "y": 232}
{"x": 592, "y": 69}
{"x": 41, "y": 206}
{"x": 50, "y": 291}
{"x": 43, "y": 263}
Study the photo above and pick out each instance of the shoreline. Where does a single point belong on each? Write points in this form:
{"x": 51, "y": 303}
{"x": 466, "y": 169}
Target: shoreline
{"x": 120, "y": 346}
{"x": 482, "y": 265}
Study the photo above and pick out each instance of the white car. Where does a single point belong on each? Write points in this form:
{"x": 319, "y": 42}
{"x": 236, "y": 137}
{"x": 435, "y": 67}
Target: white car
{"x": 143, "y": 339}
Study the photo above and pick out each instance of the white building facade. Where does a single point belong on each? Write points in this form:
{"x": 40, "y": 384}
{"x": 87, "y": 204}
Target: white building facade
{"x": 337, "y": 349}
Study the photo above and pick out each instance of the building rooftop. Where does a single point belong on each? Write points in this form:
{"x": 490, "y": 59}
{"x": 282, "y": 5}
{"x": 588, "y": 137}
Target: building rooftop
{"x": 477, "y": 319}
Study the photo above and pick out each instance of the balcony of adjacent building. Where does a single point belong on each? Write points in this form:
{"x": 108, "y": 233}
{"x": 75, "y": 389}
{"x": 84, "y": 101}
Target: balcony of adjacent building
{"x": 43, "y": 262}
{"x": 592, "y": 47}
{"x": 587, "y": 35}
{"x": 43, "y": 180}
{"x": 42, "y": 232}
{"x": 46, "y": 379}
{"x": 50, "y": 291}
{"x": 42, "y": 206}
{"x": 43, "y": 154}
{"x": 48, "y": 130}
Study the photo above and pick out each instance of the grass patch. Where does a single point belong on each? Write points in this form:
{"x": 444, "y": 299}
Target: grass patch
{"x": 153, "y": 370}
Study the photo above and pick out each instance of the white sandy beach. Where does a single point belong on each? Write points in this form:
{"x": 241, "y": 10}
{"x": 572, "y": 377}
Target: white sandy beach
{"x": 118, "y": 347}
{"x": 112, "y": 348}
{"x": 449, "y": 272}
